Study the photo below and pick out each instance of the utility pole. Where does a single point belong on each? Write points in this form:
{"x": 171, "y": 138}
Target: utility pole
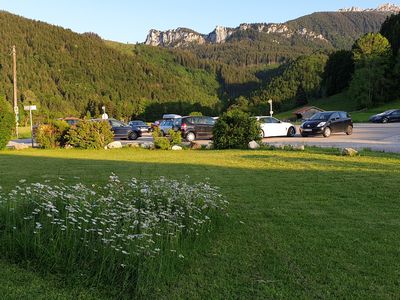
{"x": 14, "y": 53}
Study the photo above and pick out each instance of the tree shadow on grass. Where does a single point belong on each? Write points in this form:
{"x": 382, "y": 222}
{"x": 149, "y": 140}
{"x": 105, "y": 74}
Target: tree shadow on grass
{"x": 308, "y": 233}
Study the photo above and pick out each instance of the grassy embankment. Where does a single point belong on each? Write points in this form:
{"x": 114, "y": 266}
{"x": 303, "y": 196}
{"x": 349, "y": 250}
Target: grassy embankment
{"x": 341, "y": 102}
{"x": 302, "y": 224}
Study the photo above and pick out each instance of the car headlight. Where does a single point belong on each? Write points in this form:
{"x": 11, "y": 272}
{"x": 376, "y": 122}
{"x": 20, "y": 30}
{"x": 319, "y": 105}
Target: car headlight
{"x": 321, "y": 124}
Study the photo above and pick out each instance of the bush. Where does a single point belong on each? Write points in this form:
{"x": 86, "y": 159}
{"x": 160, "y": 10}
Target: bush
{"x": 162, "y": 143}
{"x": 90, "y": 135}
{"x": 234, "y": 130}
{"x": 7, "y": 123}
{"x": 175, "y": 137}
{"x": 52, "y": 135}
{"x": 196, "y": 114}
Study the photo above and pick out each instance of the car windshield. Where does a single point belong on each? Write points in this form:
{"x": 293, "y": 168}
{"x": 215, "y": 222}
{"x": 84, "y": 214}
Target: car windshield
{"x": 321, "y": 116}
{"x": 138, "y": 123}
{"x": 388, "y": 112}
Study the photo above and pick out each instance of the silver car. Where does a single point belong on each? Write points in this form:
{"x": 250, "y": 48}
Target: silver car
{"x": 166, "y": 126}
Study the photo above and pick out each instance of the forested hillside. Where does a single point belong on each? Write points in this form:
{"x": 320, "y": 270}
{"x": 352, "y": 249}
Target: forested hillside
{"x": 65, "y": 73}
{"x": 260, "y": 44}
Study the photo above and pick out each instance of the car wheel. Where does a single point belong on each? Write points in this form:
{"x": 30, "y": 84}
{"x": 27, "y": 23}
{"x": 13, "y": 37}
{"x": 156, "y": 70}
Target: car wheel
{"x": 327, "y": 132}
{"x": 385, "y": 120}
{"x": 190, "y": 137}
{"x": 291, "y": 132}
{"x": 262, "y": 134}
{"x": 133, "y": 136}
{"x": 349, "y": 130}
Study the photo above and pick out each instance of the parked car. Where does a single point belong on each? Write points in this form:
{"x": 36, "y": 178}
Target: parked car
{"x": 273, "y": 127}
{"x": 166, "y": 126}
{"x": 139, "y": 125}
{"x": 122, "y": 130}
{"x": 72, "y": 121}
{"x": 389, "y": 116}
{"x": 194, "y": 127}
{"x": 155, "y": 125}
{"x": 326, "y": 123}
{"x": 171, "y": 116}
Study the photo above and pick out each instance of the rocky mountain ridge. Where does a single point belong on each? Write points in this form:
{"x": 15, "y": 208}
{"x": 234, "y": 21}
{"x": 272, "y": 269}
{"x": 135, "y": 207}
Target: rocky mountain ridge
{"x": 387, "y": 7}
{"x": 184, "y": 37}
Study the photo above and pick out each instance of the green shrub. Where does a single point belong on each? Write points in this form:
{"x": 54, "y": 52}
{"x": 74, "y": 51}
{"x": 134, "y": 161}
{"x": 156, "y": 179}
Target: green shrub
{"x": 157, "y": 133}
{"x": 175, "y": 137}
{"x": 52, "y": 135}
{"x": 162, "y": 143}
{"x": 7, "y": 123}
{"x": 90, "y": 135}
{"x": 234, "y": 130}
{"x": 196, "y": 114}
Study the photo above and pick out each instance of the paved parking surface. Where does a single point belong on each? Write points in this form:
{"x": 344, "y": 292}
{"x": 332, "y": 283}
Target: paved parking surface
{"x": 377, "y": 137}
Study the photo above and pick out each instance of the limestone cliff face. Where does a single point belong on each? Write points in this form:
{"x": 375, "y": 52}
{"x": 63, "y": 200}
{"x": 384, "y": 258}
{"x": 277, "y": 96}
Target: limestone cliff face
{"x": 174, "y": 38}
{"x": 182, "y": 37}
{"x": 388, "y": 7}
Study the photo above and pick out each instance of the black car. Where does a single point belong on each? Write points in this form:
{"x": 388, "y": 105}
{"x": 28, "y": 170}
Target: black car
{"x": 194, "y": 127}
{"x": 139, "y": 125}
{"x": 122, "y": 130}
{"x": 389, "y": 116}
{"x": 326, "y": 123}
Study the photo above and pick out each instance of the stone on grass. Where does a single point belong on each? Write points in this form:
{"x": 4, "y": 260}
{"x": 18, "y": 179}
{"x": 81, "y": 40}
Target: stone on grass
{"x": 349, "y": 152}
{"x": 176, "y": 148}
{"x": 147, "y": 145}
{"x": 195, "y": 146}
{"x": 299, "y": 147}
{"x": 18, "y": 146}
{"x": 133, "y": 145}
{"x": 254, "y": 145}
{"x": 114, "y": 145}
{"x": 210, "y": 146}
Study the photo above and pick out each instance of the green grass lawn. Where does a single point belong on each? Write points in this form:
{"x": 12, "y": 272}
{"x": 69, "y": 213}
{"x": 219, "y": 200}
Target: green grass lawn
{"x": 301, "y": 224}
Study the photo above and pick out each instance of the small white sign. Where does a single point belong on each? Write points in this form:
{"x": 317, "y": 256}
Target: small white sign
{"x": 30, "y": 107}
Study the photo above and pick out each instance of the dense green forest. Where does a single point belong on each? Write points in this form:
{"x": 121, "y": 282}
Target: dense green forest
{"x": 369, "y": 72}
{"x": 65, "y": 73}
{"x": 252, "y": 47}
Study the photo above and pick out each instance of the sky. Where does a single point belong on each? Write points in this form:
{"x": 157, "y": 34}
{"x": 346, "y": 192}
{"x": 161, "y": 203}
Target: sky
{"x": 130, "y": 21}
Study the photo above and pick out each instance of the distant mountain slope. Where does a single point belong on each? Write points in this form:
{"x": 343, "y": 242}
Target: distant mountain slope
{"x": 266, "y": 43}
{"x": 65, "y": 72}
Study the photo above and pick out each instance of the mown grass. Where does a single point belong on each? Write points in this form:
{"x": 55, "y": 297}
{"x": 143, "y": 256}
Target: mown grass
{"x": 302, "y": 224}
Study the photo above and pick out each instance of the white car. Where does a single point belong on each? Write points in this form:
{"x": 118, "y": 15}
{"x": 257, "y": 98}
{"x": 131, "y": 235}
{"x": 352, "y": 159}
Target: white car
{"x": 273, "y": 127}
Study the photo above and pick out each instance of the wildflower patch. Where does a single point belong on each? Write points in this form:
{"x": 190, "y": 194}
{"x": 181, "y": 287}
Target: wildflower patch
{"x": 109, "y": 232}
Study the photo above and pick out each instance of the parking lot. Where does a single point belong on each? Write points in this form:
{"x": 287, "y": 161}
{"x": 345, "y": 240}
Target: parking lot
{"x": 377, "y": 137}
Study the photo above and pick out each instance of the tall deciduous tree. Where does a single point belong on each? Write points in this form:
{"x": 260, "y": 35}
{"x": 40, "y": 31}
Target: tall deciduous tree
{"x": 372, "y": 54}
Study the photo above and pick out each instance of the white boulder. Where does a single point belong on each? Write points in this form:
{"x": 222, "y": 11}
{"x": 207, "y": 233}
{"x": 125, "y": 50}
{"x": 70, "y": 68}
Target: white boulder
{"x": 114, "y": 145}
{"x": 176, "y": 148}
{"x": 254, "y": 145}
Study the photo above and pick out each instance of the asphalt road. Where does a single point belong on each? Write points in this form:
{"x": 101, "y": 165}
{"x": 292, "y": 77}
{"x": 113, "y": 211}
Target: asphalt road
{"x": 377, "y": 137}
